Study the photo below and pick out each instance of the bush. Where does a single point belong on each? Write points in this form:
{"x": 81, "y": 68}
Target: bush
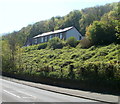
{"x": 72, "y": 42}
{"x": 55, "y": 43}
{"x": 54, "y": 75}
{"x": 42, "y": 46}
{"x": 85, "y": 43}
{"x": 31, "y": 48}
{"x": 118, "y": 33}
{"x": 99, "y": 70}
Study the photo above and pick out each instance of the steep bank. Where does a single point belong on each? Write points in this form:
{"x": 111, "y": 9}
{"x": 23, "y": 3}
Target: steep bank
{"x": 95, "y": 68}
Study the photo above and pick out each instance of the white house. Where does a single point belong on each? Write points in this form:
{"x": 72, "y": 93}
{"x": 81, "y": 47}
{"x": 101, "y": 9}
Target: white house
{"x": 62, "y": 34}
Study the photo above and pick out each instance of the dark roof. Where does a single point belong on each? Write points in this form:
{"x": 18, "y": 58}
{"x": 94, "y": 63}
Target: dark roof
{"x": 54, "y": 32}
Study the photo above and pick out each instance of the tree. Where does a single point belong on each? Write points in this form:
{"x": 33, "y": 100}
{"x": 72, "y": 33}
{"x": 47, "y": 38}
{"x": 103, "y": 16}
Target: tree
{"x": 51, "y": 24}
{"x": 12, "y": 43}
{"x": 92, "y": 14}
{"x": 72, "y": 19}
{"x": 112, "y": 19}
{"x": 18, "y": 56}
{"x": 101, "y": 33}
{"x": 6, "y": 54}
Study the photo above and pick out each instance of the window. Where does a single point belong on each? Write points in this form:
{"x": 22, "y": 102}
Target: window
{"x": 41, "y": 39}
{"x": 61, "y": 36}
{"x": 50, "y": 36}
{"x": 45, "y": 38}
{"x": 53, "y": 36}
{"x": 36, "y": 41}
{"x": 56, "y": 35}
{"x": 64, "y": 36}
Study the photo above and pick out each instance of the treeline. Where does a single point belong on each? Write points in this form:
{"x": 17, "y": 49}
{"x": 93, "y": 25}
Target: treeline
{"x": 79, "y": 19}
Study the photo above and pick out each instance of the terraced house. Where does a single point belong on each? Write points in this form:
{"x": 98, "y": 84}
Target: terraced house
{"x": 62, "y": 34}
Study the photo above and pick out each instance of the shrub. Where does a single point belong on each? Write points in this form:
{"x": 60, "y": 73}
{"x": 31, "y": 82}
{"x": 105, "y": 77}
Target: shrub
{"x": 55, "y": 43}
{"x": 31, "y": 48}
{"x": 99, "y": 70}
{"x": 71, "y": 74}
{"x": 54, "y": 75}
{"x": 72, "y": 41}
{"x": 42, "y": 46}
{"x": 118, "y": 33}
{"x": 85, "y": 43}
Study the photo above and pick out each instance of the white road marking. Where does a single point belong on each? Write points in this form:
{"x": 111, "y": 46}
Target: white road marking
{"x": 27, "y": 95}
{"x": 11, "y": 93}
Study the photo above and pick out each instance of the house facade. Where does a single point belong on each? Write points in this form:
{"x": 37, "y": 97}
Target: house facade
{"x": 62, "y": 34}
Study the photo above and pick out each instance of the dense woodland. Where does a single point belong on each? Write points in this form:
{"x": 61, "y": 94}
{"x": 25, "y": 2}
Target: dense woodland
{"x": 95, "y": 58}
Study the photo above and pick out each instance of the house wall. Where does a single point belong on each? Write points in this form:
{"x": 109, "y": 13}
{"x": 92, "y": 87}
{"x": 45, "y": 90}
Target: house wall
{"x": 39, "y": 40}
{"x": 73, "y": 33}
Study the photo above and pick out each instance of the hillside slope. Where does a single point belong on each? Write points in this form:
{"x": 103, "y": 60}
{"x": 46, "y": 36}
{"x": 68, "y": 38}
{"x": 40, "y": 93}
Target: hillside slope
{"x": 75, "y": 56}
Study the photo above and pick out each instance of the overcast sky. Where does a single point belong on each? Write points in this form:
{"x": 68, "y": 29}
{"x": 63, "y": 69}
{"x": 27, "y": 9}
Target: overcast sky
{"x": 15, "y": 14}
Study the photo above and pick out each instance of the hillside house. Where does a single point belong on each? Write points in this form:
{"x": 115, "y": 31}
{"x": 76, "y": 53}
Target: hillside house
{"x": 62, "y": 34}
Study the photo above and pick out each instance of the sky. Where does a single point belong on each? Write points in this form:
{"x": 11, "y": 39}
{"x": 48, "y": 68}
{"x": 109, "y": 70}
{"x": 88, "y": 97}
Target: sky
{"x": 15, "y": 14}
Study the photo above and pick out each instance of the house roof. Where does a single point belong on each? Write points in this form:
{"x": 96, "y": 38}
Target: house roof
{"x": 54, "y": 32}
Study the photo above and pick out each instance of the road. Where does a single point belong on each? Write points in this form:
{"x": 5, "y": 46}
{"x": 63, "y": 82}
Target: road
{"x": 15, "y": 92}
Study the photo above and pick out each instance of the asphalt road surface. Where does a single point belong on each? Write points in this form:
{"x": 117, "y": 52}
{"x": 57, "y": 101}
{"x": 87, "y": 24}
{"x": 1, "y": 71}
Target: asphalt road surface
{"x": 14, "y": 92}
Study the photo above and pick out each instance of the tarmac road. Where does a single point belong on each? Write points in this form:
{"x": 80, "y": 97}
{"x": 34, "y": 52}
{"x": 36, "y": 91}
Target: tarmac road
{"x": 14, "y": 92}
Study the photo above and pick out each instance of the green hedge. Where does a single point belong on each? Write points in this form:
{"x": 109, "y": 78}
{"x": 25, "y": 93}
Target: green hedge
{"x": 42, "y": 46}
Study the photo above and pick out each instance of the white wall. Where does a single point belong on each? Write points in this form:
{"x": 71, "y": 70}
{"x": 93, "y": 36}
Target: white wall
{"x": 73, "y": 33}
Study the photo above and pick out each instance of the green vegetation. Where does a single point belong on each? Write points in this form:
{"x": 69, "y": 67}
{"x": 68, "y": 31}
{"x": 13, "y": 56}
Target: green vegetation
{"x": 85, "y": 43}
{"x": 72, "y": 42}
{"x": 90, "y": 59}
{"x": 104, "y": 32}
{"x": 42, "y": 46}
{"x": 93, "y": 61}
{"x": 55, "y": 43}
